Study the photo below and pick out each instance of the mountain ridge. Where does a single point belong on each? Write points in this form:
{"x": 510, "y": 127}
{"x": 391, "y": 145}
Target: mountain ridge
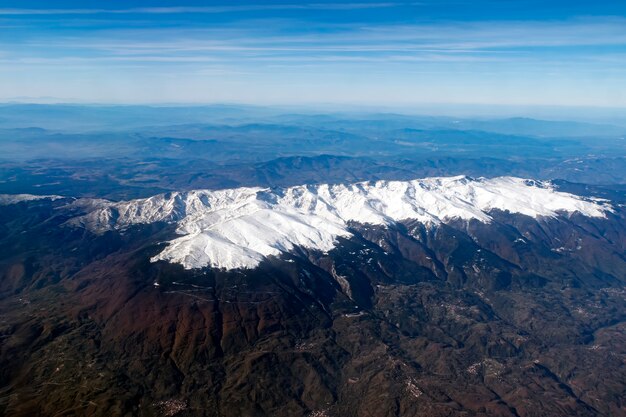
{"x": 237, "y": 228}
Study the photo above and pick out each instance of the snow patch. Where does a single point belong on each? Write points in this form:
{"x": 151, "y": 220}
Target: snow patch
{"x": 8, "y": 199}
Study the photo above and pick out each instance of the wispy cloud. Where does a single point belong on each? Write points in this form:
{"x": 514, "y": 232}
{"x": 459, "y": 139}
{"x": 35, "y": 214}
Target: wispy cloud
{"x": 582, "y": 40}
{"x": 208, "y": 9}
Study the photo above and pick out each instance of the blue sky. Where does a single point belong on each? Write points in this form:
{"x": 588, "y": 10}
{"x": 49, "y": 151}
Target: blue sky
{"x": 389, "y": 53}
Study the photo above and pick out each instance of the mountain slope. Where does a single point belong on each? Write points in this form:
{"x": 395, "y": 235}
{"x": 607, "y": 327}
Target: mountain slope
{"x": 505, "y": 315}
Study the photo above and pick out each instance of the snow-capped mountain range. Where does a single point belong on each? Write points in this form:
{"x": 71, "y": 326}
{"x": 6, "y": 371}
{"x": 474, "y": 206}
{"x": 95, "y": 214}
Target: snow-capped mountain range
{"x": 238, "y": 228}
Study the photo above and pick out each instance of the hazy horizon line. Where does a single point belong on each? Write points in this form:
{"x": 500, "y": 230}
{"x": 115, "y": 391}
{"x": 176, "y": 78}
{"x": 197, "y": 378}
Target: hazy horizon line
{"x": 601, "y": 115}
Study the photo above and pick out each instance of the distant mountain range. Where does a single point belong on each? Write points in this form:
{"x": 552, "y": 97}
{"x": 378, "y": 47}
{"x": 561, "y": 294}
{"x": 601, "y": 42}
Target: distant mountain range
{"x": 123, "y": 152}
